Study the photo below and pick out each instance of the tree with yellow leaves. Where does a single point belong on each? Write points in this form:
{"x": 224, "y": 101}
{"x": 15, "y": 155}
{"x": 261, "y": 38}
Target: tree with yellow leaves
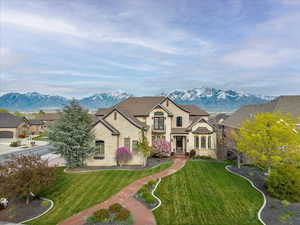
{"x": 270, "y": 139}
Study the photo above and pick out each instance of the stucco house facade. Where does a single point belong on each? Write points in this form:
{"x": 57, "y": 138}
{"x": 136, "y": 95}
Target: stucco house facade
{"x": 186, "y": 127}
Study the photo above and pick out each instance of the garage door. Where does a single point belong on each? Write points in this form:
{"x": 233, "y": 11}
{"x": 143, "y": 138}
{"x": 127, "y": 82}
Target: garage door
{"x": 6, "y": 134}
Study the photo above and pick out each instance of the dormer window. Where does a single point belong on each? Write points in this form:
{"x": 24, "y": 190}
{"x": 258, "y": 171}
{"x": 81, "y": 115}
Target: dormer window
{"x": 179, "y": 121}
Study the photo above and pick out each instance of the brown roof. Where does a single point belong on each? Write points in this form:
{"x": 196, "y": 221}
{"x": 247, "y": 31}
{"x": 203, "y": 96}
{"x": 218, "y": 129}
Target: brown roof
{"x": 179, "y": 131}
{"x": 49, "y": 116}
{"x": 202, "y": 130}
{"x": 103, "y": 111}
{"x": 35, "y": 122}
{"x": 8, "y": 120}
{"x": 139, "y": 106}
{"x": 284, "y": 104}
{"x": 195, "y": 110}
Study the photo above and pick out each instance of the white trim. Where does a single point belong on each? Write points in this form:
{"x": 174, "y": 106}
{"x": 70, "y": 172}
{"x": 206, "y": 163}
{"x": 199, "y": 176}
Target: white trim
{"x": 253, "y": 185}
{"x": 152, "y": 193}
{"x": 45, "y": 199}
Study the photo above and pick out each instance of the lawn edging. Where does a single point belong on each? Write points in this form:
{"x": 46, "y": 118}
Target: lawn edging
{"x": 33, "y": 218}
{"x": 157, "y": 198}
{"x": 256, "y": 188}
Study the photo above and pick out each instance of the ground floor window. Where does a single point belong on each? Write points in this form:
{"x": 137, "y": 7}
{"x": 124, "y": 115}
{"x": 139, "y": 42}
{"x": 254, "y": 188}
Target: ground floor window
{"x": 209, "y": 142}
{"x": 203, "y": 142}
{"x": 196, "y": 140}
{"x": 127, "y": 143}
{"x": 100, "y": 151}
{"x": 158, "y": 137}
{"x": 134, "y": 145}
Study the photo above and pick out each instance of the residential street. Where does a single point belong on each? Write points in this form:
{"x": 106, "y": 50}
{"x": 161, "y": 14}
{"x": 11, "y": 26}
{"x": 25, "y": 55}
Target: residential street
{"x": 41, "y": 150}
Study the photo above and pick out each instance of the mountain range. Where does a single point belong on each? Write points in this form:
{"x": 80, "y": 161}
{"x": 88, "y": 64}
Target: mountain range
{"x": 210, "y": 99}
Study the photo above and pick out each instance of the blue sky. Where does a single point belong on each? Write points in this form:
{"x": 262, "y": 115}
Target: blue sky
{"x": 81, "y": 47}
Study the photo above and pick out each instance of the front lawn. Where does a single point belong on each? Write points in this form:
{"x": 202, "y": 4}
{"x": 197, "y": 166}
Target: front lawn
{"x": 204, "y": 193}
{"x": 73, "y": 193}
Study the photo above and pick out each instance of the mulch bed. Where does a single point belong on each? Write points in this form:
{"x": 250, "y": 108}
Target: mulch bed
{"x": 151, "y": 163}
{"x": 17, "y": 210}
{"x": 274, "y": 213}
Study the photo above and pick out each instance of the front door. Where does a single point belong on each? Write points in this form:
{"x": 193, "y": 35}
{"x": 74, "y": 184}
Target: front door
{"x": 179, "y": 144}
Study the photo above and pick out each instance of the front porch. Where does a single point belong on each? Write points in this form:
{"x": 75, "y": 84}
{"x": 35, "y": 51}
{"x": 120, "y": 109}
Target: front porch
{"x": 179, "y": 144}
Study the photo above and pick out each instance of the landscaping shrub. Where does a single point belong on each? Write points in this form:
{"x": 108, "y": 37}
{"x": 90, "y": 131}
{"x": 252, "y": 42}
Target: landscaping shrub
{"x": 284, "y": 183}
{"x": 123, "y": 155}
{"x": 123, "y": 215}
{"x": 192, "y": 153}
{"x": 21, "y": 136}
{"x": 161, "y": 148}
{"x": 203, "y": 157}
{"x": 15, "y": 144}
{"x": 101, "y": 215}
{"x": 115, "y": 208}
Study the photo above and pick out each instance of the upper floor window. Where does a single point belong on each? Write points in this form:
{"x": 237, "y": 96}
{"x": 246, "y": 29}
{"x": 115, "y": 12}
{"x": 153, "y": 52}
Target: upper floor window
{"x": 100, "y": 151}
{"x": 159, "y": 123}
{"x": 127, "y": 143}
{"x": 115, "y": 115}
{"x": 179, "y": 121}
{"x": 203, "y": 142}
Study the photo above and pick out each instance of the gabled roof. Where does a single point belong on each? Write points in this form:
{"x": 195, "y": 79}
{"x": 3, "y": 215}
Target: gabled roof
{"x": 195, "y": 110}
{"x": 49, "y": 116}
{"x": 35, "y": 122}
{"x": 113, "y": 130}
{"x": 8, "y": 120}
{"x": 194, "y": 122}
{"x": 202, "y": 130}
{"x": 103, "y": 111}
{"x": 284, "y": 104}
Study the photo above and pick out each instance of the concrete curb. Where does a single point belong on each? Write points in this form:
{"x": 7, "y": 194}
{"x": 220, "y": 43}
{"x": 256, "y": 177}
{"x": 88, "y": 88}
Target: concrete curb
{"x": 253, "y": 185}
{"x": 45, "y": 199}
{"x": 154, "y": 189}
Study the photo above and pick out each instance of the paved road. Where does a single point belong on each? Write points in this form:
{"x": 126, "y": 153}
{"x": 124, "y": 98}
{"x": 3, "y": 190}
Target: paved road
{"x": 40, "y": 150}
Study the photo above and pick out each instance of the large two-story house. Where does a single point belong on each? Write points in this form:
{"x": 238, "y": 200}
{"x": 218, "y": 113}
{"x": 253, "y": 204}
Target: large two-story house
{"x": 186, "y": 127}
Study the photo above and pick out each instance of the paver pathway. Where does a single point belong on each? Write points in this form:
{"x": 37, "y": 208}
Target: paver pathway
{"x": 141, "y": 215}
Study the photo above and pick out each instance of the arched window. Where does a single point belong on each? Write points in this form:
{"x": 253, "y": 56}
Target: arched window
{"x": 100, "y": 150}
{"x": 179, "y": 121}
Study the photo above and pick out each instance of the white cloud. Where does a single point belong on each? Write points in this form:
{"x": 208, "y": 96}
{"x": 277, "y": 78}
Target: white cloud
{"x": 256, "y": 58}
{"x": 78, "y": 73}
{"x": 9, "y": 58}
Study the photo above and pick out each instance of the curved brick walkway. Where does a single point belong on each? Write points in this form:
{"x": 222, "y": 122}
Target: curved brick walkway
{"x": 141, "y": 215}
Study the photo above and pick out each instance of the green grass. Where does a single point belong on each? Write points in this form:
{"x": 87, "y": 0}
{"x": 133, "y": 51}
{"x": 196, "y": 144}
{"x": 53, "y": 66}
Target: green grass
{"x": 73, "y": 193}
{"x": 204, "y": 193}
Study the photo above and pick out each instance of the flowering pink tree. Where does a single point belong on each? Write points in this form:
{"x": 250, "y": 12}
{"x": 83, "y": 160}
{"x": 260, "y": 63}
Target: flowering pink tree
{"x": 161, "y": 147}
{"x": 123, "y": 155}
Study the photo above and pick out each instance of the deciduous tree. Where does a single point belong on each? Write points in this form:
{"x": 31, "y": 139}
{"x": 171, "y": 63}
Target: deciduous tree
{"x": 23, "y": 175}
{"x": 270, "y": 140}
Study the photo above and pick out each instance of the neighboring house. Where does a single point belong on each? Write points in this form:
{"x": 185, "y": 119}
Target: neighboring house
{"x": 284, "y": 104}
{"x": 186, "y": 127}
{"x": 36, "y": 126}
{"x": 12, "y": 126}
{"x": 48, "y": 118}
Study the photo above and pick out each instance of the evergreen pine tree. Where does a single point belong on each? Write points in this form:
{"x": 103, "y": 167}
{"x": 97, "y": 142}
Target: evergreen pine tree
{"x": 71, "y": 135}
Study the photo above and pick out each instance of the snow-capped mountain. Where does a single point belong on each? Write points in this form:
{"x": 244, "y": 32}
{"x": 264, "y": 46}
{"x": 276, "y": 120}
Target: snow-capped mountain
{"x": 212, "y": 99}
{"x": 31, "y": 101}
{"x": 104, "y": 99}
